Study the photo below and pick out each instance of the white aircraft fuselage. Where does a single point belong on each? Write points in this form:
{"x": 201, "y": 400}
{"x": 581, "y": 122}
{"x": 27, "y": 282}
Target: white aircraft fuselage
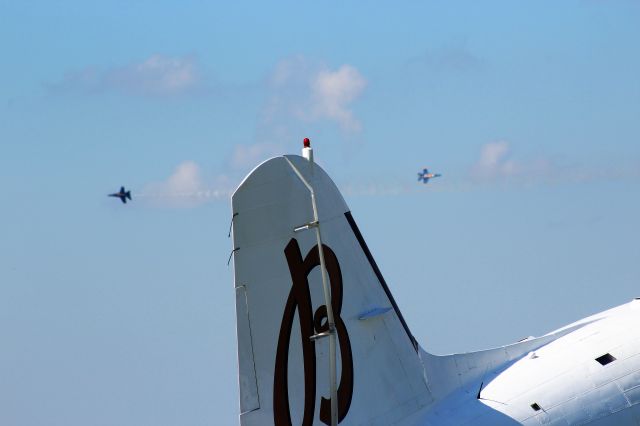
{"x": 588, "y": 373}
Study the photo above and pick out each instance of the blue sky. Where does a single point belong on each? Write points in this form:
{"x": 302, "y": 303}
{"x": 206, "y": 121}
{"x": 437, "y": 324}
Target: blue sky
{"x": 124, "y": 315}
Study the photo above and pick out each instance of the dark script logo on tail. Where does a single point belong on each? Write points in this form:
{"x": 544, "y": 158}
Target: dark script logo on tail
{"x": 310, "y": 323}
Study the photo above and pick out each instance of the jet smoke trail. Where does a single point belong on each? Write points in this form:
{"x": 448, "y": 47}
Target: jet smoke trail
{"x": 206, "y": 194}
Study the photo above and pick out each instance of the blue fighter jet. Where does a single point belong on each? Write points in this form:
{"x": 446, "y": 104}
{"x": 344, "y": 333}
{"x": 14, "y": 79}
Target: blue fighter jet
{"x": 425, "y": 175}
{"x": 123, "y": 195}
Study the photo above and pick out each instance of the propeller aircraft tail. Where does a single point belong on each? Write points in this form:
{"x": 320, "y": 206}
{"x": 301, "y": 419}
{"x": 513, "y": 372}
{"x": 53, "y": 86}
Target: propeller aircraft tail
{"x": 282, "y": 209}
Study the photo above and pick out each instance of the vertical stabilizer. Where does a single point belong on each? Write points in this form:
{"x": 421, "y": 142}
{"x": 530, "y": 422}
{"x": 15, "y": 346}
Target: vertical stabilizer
{"x": 281, "y": 312}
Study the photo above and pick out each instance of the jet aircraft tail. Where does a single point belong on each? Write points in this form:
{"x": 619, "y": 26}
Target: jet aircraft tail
{"x": 282, "y": 316}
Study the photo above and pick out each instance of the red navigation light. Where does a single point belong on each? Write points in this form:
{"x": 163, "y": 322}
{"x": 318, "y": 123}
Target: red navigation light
{"x": 307, "y": 143}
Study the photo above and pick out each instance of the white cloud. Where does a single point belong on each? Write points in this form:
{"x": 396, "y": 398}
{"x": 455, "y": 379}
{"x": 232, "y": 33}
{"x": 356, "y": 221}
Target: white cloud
{"x": 185, "y": 179}
{"x": 495, "y": 163}
{"x": 333, "y": 93}
{"x": 306, "y": 91}
{"x": 158, "y": 75}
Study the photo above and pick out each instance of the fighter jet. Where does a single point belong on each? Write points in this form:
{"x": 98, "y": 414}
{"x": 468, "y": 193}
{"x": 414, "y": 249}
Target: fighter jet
{"x": 425, "y": 175}
{"x": 123, "y": 195}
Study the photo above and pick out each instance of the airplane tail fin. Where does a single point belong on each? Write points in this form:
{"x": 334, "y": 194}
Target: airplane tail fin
{"x": 128, "y": 194}
{"x": 282, "y": 315}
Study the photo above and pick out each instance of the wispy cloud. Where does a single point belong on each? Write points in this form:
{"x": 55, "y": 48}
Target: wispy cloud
{"x": 496, "y": 163}
{"x": 307, "y": 91}
{"x": 334, "y": 91}
{"x": 454, "y": 57}
{"x": 185, "y": 179}
{"x": 245, "y": 157}
{"x": 158, "y": 75}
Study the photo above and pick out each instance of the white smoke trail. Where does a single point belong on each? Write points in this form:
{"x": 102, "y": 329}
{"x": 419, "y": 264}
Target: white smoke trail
{"x": 400, "y": 187}
{"x": 185, "y": 187}
{"x": 205, "y": 194}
